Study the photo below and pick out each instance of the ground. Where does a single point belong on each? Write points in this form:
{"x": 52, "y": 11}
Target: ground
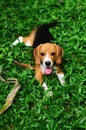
{"x": 32, "y": 109}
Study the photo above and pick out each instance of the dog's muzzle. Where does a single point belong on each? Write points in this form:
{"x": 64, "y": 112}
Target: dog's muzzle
{"x": 48, "y": 67}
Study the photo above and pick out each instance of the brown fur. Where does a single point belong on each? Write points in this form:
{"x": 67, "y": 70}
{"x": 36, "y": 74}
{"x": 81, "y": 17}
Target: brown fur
{"x": 30, "y": 37}
{"x": 48, "y": 48}
{"x": 54, "y": 51}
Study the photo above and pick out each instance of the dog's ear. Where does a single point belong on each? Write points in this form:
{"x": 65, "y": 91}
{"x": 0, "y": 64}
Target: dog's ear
{"x": 37, "y": 55}
{"x": 59, "y": 54}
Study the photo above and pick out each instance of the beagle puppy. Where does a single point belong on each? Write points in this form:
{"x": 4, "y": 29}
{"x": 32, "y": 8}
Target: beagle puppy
{"x": 47, "y": 55}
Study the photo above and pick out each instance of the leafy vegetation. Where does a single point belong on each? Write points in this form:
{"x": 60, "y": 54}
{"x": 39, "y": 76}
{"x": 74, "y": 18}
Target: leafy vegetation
{"x": 32, "y": 109}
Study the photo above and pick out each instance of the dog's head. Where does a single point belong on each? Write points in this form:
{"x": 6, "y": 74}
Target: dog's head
{"x": 48, "y": 54}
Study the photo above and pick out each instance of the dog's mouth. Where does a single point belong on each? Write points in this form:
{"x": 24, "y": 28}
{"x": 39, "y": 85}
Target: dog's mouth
{"x": 48, "y": 70}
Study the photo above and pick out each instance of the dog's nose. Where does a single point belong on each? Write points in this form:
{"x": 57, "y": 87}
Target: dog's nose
{"x": 47, "y": 63}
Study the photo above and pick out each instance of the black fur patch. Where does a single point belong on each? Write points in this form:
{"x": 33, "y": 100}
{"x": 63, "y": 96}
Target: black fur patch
{"x": 43, "y": 34}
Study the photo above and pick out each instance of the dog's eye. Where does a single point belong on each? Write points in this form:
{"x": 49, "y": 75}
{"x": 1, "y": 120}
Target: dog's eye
{"x": 53, "y": 53}
{"x": 42, "y": 54}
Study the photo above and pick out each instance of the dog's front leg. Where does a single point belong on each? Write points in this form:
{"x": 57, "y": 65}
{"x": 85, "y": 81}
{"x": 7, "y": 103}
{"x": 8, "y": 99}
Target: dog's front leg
{"x": 38, "y": 74}
{"x": 60, "y": 74}
{"x": 39, "y": 77}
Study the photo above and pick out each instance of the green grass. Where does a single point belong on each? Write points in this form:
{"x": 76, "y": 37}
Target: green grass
{"x": 32, "y": 109}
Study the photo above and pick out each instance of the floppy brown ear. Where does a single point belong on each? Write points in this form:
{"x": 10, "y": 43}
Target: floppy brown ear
{"x": 59, "y": 54}
{"x": 37, "y": 55}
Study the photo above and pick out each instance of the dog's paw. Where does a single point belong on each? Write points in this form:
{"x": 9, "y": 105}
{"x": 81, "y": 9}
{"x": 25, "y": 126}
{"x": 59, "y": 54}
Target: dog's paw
{"x": 44, "y": 85}
{"x": 61, "y": 78}
{"x": 18, "y": 40}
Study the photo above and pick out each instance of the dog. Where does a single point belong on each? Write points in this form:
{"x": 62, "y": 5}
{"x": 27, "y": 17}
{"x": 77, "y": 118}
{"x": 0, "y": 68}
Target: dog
{"x": 47, "y": 55}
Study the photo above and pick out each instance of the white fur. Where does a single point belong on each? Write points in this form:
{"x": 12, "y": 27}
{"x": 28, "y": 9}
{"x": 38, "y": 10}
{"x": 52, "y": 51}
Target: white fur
{"x": 47, "y": 59}
{"x": 19, "y": 40}
{"x": 61, "y": 78}
{"x": 28, "y": 43}
{"x": 44, "y": 85}
{"x": 42, "y": 68}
